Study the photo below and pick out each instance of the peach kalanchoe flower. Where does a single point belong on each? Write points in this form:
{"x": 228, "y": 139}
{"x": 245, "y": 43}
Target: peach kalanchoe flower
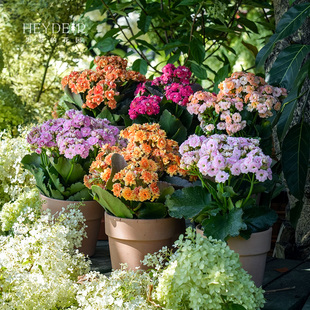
{"x": 102, "y": 85}
{"x": 243, "y": 98}
{"x": 148, "y": 154}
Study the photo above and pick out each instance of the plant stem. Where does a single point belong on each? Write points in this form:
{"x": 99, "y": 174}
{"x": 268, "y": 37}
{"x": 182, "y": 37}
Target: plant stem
{"x": 250, "y": 191}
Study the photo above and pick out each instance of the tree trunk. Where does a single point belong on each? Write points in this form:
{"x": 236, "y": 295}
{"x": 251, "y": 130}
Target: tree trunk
{"x": 284, "y": 247}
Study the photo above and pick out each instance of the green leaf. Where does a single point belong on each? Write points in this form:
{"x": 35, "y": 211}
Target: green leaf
{"x": 223, "y": 226}
{"x": 221, "y": 75}
{"x": 117, "y": 163}
{"x": 222, "y": 28}
{"x": 152, "y": 210}
{"x": 55, "y": 193}
{"x": 295, "y": 158}
{"x": 57, "y": 183}
{"x": 290, "y": 102}
{"x": 144, "y": 22}
{"x": 188, "y": 2}
{"x": 74, "y": 188}
{"x": 40, "y": 181}
{"x": 111, "y": 203}
{"x": 287, "y": 65}
{"x": 253, "y": 49}
{"x": 76, "y": 98}
{"x": 64, "y": 167}
{"x": 249, "y": 24}
{"x": 106, "y": 45}
{"x": 148, "y": 45}
{"x": 111, "y": 33}
{"x": 84, "y": 194}
{"x": 188, "y": 202}
{"x": 232, "y": 306}
{"x": 165, "y": 189}
{"x": 173, "y": 127}
{"x": 171, "y": 45}
{"x": 259, "y": 218}
{"x": 289, "y": 23}
{"x": 1, "y": 61}
{"x": 174, "y": 58}
{"x": 140, "y": 65}
{"x": 199, "y": 71}
{"x": 197, "y": 50}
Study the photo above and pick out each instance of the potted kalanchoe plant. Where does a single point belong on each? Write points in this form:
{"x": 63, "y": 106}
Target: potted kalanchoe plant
{"x": 246, "y": 106}
{"x": 232, "y": 171}
{"x": 164, "y": 100}
{"x": 127, "y": 183}
{"x": 63, "y": 149}
{"x": 105, "y": 92}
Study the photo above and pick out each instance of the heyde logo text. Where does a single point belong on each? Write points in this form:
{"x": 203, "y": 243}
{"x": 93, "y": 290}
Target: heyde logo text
{"x": 30, "y": 28}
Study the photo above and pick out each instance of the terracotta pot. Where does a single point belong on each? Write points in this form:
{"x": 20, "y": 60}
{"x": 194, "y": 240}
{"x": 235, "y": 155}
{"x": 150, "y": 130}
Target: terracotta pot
{"x": 131, "y": 239}
{"x": 252, "y": 252}
{"x": 102, "y": 235}
{"x": 92, "y": 212}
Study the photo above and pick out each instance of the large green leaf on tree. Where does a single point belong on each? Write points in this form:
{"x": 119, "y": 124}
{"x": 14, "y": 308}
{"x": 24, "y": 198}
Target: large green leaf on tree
{"x": 287, "y": 65}
{"x": 290, "y": 102}
{"x": 295, "y": 158}
{"x": 289, "y": 23}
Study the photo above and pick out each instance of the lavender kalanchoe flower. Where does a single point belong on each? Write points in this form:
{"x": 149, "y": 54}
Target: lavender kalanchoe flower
{"x": 222, "y": 156}
{"x": 75, "y": 134}
{"x": 63, "y": 151}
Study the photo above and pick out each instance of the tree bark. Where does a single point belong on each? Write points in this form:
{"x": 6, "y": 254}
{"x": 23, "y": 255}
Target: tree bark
{"x": 302, "y": 232}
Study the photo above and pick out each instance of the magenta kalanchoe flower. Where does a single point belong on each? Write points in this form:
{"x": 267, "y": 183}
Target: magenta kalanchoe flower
{"x": 75, "y": 134}
{"x": 144, "y": 105}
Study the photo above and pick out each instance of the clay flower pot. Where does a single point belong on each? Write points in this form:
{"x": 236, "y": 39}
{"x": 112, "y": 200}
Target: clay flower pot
{"x": 131, "y": 239}
{"x": 92, "y": 212}
{"x": 252, "y": 252}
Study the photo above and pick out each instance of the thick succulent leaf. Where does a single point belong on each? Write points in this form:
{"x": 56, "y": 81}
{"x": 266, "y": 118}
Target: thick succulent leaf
{"x": 71, "y": 174}
{"x": 74, "y": 188}
{"x": 56, "y": 182}
{"x": 118, "y": 163}
{"x": 56, "y": 194}
{"x": 223, "y": 226}
{"x": 84, "y": 194}
{"x": 173, "y": 127}
{"x": 111, "y": 203}
{"x": 290, "y": 102}
{"x": 30, "y": 161}
{"x": 40, "y": 178}
{"x": 259, "y": 218}
{"x": 152, "y": 210}
{"x": 289, "y": 23}
{"x": 76, "y": 98}
{"x": 287, "y": 65}
{"x": 295, "y": 158}
{"x": 188, "y": 202}
{"x": 165, "y": 190}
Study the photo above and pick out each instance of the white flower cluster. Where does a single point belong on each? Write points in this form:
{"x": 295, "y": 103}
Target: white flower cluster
{"x": 26, "y": 201}
{"x": 39, "y": 265}
{"x": 205, "y": 274}
{"x": 13, "y": 178}
{"x": 123, "y": 290}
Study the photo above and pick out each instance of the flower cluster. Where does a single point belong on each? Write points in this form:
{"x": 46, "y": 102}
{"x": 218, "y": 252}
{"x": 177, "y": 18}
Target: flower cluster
{"x": 243, "y": 99}
{"x": 38, "y": 263}
{"x": 102, "y": 85}
{"x": 28, "y": 199}
{"x": 123, "y": 289}
{"x": 175, "y": 86}
{"x": 222, "y": 157}
{"x": 171, "y": 74}
{"x": 144, "y": 105}
{"x": 13, "y": 178}
{"x": 178, "y": 93}
{"x": 75, "y": 134}
{"x": 224, "y": 281}
{"x": 148, "y": 154}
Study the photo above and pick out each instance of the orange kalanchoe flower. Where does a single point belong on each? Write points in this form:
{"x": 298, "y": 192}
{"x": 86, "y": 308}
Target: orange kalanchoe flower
{"x": 148, "y": 154}
{"x": 101, "y": 86}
